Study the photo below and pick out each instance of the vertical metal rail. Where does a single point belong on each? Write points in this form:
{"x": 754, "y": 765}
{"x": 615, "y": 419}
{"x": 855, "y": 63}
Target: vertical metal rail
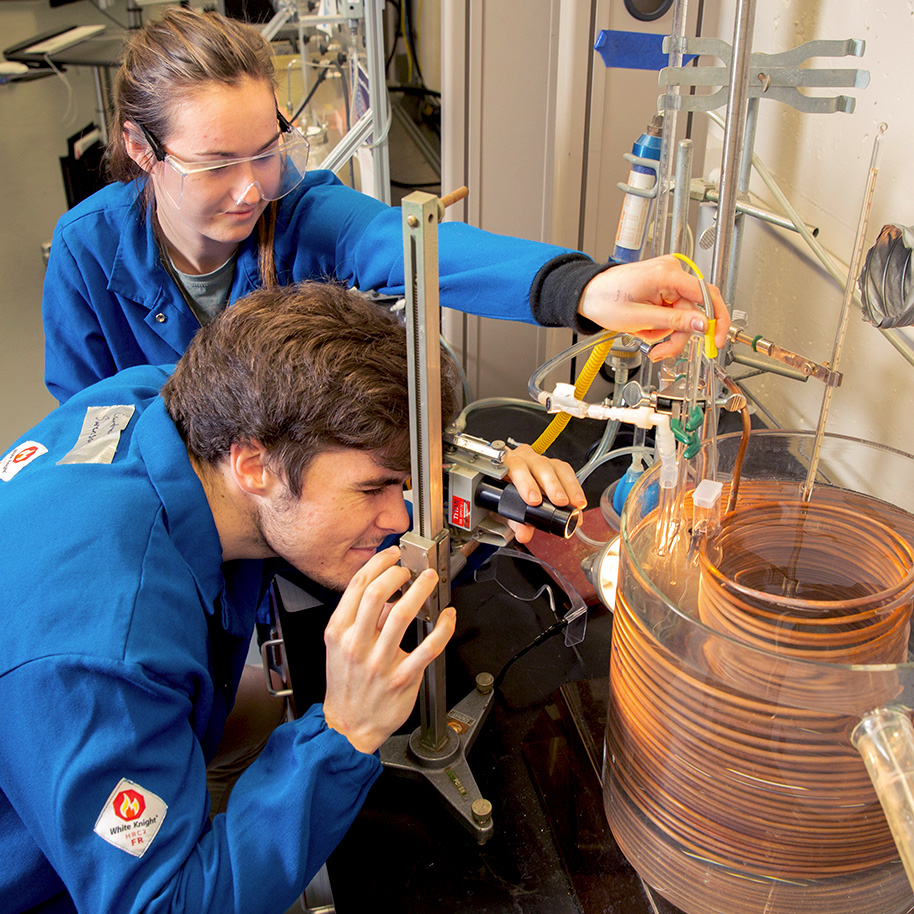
{"x": 427, "y": 545}
{"x": 435, "y": 751}
{"x": 734, "y": 133}
{"x": 378, "y": 99}
{"x": 670, "y": 122}
{"x": 681, "y": 198}
{"x": 742, "y": 187}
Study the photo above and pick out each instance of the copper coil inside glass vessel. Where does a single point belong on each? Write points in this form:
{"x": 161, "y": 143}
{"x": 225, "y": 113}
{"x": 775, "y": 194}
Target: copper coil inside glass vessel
{"x": 731, "y": 782}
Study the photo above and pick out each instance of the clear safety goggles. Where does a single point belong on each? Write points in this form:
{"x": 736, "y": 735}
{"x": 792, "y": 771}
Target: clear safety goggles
{"x": 273, "y": 173}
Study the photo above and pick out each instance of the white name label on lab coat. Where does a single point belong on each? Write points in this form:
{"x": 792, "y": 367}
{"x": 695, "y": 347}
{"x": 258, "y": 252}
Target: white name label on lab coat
{"x": 101, "y": 432}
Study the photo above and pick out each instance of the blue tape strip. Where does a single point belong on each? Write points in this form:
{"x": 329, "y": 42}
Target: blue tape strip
{"x": 634, "y": 50}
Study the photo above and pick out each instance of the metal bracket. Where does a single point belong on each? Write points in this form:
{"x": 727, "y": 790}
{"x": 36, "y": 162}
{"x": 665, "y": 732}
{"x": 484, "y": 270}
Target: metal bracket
{"x": 651, "y": 165}
{"x": 775, "y": 76}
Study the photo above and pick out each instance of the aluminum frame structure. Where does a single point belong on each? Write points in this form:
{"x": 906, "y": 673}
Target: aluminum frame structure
{"x": 373, "y": 125}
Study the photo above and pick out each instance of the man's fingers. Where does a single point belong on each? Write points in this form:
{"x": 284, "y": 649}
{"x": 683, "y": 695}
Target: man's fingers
{"x": 533, "y": 474}
{"x": 348, "y": 607}
{"x": 523, "y": 533}
{"x": 431, "y": 645}
{"x": 404, "y": 611}
{"x": 375, "y": 598}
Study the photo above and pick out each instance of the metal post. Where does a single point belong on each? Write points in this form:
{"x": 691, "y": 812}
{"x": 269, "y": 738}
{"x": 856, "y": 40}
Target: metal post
{"x": 737, "y": 100}
{"x": 739, "y": 220}
{"x": 681, "y": 195}
{"x": 436, "y": 751}
{"x": 426, "y": 546}
{"x": 670, "y": 121}
{"x": 378, "y": 99}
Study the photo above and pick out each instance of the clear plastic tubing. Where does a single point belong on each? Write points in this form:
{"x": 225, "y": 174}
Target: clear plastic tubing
{"x": 535, "y": 386}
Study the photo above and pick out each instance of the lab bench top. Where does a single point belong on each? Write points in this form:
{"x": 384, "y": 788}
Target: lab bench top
{"x": 537, "y": 759}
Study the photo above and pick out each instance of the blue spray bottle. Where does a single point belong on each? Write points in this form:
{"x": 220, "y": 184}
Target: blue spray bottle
{"x": 636, "y": 209}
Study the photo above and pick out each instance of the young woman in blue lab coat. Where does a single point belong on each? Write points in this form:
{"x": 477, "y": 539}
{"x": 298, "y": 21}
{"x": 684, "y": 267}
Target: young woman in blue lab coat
{"x": 212, "y": 199}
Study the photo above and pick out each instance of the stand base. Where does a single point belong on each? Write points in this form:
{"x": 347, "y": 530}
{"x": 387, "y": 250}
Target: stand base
{"x": 446, "y": 767}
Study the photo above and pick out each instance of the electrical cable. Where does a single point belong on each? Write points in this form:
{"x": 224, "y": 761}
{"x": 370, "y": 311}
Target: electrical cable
{"x": 413, "y": 184}
{"x": 69, "y": 115}
{"x": 409, "y": 37}
{"x": 545, "y": 635}
{"x": 414, "y": 90}
{"x": 321, "y": 76}
{"x": 393, "y": 48}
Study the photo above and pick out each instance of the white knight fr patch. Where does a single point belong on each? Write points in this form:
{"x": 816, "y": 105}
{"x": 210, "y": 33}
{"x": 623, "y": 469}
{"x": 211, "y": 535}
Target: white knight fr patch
{"x": 21, "y": 457}
{"x": 131, "y": 818}
{"x": 100, "y": 434}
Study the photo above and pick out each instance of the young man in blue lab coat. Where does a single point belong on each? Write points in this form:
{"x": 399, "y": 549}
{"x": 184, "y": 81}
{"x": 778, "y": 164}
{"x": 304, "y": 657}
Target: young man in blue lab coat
{"x": 143, "y": 524}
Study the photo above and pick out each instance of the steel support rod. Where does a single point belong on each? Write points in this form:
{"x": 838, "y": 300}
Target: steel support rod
{"x": 742, "y": 191}
{"x": 681, "y": 195}
{"x": 668, "y": 139}
{"x": 437, "y": 750}
{"x": 427, "y": 544}
{"x": 734, "y": 133}
{"x": 378, "y": 99}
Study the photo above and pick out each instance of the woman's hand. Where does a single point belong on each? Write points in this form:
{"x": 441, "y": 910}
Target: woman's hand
{"x": 653, "y": 299}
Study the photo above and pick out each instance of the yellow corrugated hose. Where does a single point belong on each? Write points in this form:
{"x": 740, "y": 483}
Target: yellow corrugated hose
{"x": 581, "y": 386}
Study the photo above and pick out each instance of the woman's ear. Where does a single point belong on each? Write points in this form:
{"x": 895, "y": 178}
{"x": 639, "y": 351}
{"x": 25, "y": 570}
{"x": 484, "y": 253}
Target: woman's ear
{"x": 138, "y": 147}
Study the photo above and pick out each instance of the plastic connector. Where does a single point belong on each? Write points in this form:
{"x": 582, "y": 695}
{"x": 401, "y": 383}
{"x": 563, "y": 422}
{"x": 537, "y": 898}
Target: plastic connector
{"x": 665, "y": 443}
{"x": 706, "y": 506}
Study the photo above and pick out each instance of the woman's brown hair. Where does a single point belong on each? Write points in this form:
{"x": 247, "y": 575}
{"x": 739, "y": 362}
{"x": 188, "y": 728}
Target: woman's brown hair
{"x": 169, "y": 59}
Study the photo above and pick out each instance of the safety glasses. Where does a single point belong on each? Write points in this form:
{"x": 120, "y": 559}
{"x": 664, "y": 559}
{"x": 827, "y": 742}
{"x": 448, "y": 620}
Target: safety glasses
{"x": 273, "y": 173}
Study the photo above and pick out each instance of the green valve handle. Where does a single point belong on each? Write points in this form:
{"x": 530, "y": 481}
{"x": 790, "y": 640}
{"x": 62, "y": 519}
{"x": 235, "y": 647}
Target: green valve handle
{"x": 679, "y": 433}
{"x": 695, "y": 420}
{"x": 689, "y": 438}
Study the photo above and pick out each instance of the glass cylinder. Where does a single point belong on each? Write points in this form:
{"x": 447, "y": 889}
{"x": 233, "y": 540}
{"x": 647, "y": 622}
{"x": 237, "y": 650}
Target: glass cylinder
{"x": 741, "y": 664}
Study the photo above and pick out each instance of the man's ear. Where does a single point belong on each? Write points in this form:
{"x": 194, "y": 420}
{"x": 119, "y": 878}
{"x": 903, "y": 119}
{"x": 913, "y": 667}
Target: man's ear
{"x": 249, "y": 470}
{"x": 138, "y": 147}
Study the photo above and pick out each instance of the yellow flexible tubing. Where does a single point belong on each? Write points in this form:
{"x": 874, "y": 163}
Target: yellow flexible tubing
{"x": 581, "y": 386}
{"x": 710, "y": 345}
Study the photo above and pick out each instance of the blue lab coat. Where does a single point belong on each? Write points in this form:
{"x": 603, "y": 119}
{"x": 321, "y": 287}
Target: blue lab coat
{"x": 109, "y": 303}
{"x": 122, "y": 638}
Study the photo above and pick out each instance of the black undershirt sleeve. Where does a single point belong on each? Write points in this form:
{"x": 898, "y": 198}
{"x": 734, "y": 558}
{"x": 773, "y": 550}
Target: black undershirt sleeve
{"x": 557, "y": 289}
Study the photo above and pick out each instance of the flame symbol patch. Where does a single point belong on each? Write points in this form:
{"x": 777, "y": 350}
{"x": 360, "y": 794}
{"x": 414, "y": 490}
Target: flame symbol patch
{"x": 129, "y": 805}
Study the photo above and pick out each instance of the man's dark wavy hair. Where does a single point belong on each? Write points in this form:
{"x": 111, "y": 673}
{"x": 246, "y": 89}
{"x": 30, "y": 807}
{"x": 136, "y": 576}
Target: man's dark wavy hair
{"x": 301, "y": 369}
